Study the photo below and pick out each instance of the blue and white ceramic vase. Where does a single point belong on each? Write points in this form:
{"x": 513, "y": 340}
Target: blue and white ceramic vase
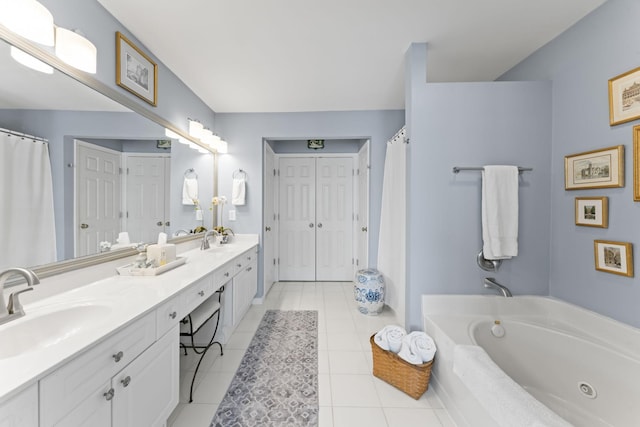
{"x": 369, "y": 291}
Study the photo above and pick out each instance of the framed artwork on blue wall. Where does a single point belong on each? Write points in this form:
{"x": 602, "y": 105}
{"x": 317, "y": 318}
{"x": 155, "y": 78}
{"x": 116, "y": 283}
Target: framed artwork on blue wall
{"x": 135, "y": 71}
{"x": 614, "y": 257}
{"x": 624, "y": 97}
{"x": 602, "y": 168}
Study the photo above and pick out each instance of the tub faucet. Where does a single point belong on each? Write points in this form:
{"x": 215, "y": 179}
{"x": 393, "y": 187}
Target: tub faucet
{"x": 14, "y": 309}
{"x": 205, "y": 239}
{"x": 490, "y": 283}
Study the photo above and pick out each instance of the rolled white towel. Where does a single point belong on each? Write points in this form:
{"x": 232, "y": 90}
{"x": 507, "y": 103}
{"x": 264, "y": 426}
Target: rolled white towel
{"x": 390, "y": 338}
{"x": 422, "y": 345}
{"x": 406, "y": 354}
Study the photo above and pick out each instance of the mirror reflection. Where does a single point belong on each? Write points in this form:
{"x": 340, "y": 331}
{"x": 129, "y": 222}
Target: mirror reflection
{"x": 96, "y": 178}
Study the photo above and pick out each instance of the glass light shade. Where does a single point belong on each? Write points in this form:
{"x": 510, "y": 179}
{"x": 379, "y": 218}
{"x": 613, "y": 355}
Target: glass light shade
{"x": 171, "y": 134}
{"x": 29, "y": 19}
{"x": 184, "y": 141}
{"x": 206, "y": 135}
{"x": 214, "y": 140}
{"x": 195, "y": 128}
{"x": 76, "y": 50}
{"x": 29, "y": 61}
{"x": 203, "y": 150}
{"x": 222, "y": 147}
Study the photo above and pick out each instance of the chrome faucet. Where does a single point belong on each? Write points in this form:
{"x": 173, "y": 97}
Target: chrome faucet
{"x": 490, "y": 283}
{"x": 205, "y": 239}
{"x": 14, "y": 308}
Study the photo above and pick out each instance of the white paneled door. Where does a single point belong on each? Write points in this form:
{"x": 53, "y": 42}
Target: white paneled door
{"x": 147, "y": 201}
{"x": 97, "y": 197}
{"x": 316, "y": 218}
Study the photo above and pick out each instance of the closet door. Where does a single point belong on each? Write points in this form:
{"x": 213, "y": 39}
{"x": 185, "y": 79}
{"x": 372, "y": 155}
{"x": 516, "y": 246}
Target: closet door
{"x": 297, "y": 191}
{"x": 334, "y": 219}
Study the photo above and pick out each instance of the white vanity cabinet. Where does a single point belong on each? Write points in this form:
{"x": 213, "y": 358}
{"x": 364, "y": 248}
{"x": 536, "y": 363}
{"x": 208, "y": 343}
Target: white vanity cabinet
{"x": 244, "y": 288}
{"x": 21, "y": 410}
{"x": 126, "y": 380}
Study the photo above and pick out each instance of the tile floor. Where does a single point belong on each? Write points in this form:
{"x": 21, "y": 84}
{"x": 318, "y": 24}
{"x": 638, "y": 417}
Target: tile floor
{"x": 349, "y": 394}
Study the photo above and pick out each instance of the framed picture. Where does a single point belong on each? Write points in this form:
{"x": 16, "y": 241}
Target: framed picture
{"x": 614, "y": 257}
{"x": 135, "y": 71}
{"x": 315, "y": 144}
{"x": 624, "y": 97}
{"x": 592, "y": 211}
{"x": 636, "y": 163}
{"x": 602, "y": 168}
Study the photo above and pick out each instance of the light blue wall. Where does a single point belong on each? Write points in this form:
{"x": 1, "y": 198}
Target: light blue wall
{"x": 246, "y": 132}
{"x": 472, "y": 124}
{"x": 579, "y": 63}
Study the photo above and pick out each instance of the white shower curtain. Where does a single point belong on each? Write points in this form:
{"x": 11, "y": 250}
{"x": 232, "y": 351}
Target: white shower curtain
{"x": 392, "y": 241}
{"x": 27, "y": 225}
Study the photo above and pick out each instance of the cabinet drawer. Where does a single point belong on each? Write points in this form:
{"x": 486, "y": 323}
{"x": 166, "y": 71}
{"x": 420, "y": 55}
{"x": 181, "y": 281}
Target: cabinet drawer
{"x": 197, "y": 293}
{"x": 21, "y": 410}
{"x": 64, "y": 389}
{"x": 242, "y": 261}
{"x": 169, "y": 314}
{"x": 223, "y": 274}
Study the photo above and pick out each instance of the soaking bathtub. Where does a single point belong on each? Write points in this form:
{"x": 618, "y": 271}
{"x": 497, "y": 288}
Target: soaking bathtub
{"x": 582, "y": 366}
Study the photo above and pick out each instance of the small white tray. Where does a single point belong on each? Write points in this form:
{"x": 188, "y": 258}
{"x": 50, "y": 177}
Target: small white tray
{"x": 130, "y": 270}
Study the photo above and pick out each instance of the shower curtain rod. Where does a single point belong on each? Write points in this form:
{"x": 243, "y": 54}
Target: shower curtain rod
{"x": 24, "y": 135}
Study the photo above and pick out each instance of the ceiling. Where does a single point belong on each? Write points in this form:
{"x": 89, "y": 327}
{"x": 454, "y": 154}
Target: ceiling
{"x": 335, "y": 55}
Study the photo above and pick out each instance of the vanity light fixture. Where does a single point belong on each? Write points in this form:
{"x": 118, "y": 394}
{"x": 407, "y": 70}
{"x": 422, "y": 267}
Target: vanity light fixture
{"x": 184, "y": 141}
{"x": 29, "y": 61}
{"x": 222, "y": 147}
{"x": 171, "y": 134}
{"x": 206, "y": 136}
{"x": 74, "y": 49}
{"x": 195, "y": 128}
{"x": 29, "y": 19}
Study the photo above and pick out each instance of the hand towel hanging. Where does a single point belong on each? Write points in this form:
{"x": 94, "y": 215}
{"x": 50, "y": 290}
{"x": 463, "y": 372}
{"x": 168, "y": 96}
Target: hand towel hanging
{"x": 500, "y": 212}
{"x": 189, "y": 191}
{"x": 239, "y": 190}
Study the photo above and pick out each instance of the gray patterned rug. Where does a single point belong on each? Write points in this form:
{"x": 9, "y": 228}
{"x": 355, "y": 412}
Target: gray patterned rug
{"x": 277, "y": 381}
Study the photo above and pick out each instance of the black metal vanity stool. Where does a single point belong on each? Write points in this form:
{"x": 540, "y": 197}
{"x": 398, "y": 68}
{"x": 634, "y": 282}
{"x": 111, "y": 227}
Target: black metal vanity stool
{"x": 190, "y": 325}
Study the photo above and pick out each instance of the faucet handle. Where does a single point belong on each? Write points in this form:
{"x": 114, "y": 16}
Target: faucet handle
{"x": 14, "y": 306}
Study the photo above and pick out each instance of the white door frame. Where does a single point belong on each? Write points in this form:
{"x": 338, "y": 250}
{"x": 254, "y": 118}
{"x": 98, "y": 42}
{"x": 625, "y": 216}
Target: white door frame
{"x": 362, "y": 220}
{"x": 269, "y": 220}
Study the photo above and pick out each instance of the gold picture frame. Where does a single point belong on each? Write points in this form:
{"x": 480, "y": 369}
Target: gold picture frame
{"x": 135, "y": 71}
{"x": 624, "y": 97}
{"x": 636, "y": 163}
{"x": 614, "y": 257}
{"x": 603, "y": 168}
{"x": 592, "y": 211}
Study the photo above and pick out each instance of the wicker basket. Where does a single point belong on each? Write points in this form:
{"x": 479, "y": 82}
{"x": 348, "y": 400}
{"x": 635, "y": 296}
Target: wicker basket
{"x": 389, "y": 367}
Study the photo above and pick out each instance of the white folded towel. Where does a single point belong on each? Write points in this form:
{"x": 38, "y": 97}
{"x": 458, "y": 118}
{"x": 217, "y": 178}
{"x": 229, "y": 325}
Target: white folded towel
{"x": 505, "y": 400}
{"x": 189, "y": 191}
{"x": 238, "y": 192}
{"x": 500, "y": 212}
{"x": 390, "y": 338}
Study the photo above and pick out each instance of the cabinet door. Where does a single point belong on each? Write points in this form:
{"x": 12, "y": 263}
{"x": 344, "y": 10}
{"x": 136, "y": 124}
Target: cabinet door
{"x": 146, "y": 391}
{"x": 94, "y": 411}
{"x": 245, "y": 286}
{"x": 21, "y": 410}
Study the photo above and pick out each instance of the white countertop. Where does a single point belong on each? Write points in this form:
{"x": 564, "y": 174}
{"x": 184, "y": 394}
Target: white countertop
{"x": 123, "y": 299}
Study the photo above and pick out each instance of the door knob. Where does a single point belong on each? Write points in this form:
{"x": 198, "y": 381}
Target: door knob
{"x": 319, "y": 225}
{"x": 267, "y": 229}
{"x": 364, "y": 229}
{"x": 83, "y": 226}
{"x": 159, "y": 223}
{"x": 168, "y": 223}
{"x": 310, "y": 225}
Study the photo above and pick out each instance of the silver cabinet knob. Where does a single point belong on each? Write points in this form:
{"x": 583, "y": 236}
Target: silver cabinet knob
{"x": 226, "y": 274}
{"x": 248, "y": 268}
{"x": 319, "y": 225}
{"x": 201, "y": 293}
{"x": 267, "y": 229}
{"x": 173, "y": 315}
{"x": 109, "y": 394}
{"x": 125, "y": 382}
{"x": 159, "y": 223}
{"x": 118, "y": 356}
{"x": 310, "y": 225}
{"x": 364, "y": 229}
{"x": 83, "y": 226}
{"x": 168, "y": 223}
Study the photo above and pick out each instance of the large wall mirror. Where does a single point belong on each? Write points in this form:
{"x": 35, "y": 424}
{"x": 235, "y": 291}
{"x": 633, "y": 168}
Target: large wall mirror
{"x": 111, "y": 172}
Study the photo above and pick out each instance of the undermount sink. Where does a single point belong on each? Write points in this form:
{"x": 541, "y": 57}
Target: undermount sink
{"x": 46, "y": 328}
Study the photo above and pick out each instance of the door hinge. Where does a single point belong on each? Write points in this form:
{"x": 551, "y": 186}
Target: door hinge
{"x": 352, "y": 261}
{"x": 127, "y": 214}
{"x": 357, "y": 262}
{"x": 353, "y": 172}
{"x": 274, "y": 261}
{"x": 120, "y": 171}
{"x": 274, "y": 172}
{"x": 358, "y": 171}
{"x": 120, "y": 215}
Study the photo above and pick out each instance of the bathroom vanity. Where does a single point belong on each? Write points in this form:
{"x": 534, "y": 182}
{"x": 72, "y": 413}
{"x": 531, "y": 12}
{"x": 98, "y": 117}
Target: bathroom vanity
{"x": 107, "y": 353}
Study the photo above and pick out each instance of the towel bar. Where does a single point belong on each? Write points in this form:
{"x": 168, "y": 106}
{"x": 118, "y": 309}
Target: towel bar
{"x": 457, "y": 169}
